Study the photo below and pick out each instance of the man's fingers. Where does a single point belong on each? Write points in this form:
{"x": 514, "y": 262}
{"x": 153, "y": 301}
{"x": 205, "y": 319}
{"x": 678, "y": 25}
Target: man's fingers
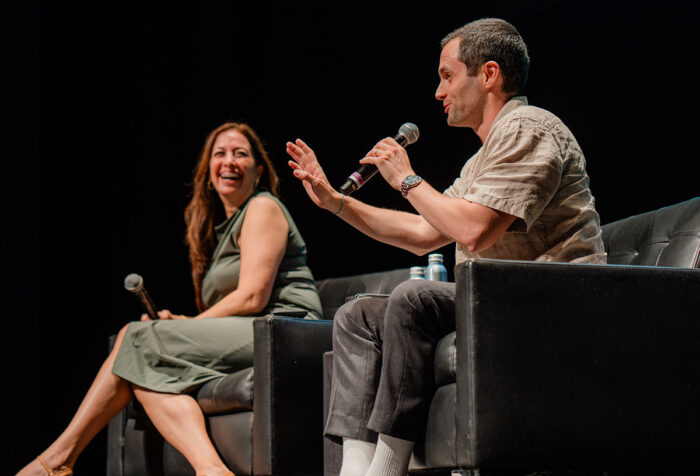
{"x": 387, "y": 144}
{"x": 307, "y": 177}
{"x": 301, "y": 174}
{"x": 302, "y": 145}
{"x": 293, "y": 151}
{"x": 370, "y": 160}
{"x": 300, "y": 152}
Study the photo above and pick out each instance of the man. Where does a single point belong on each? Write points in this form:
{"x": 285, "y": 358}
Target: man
{"x": 524, "y": 195}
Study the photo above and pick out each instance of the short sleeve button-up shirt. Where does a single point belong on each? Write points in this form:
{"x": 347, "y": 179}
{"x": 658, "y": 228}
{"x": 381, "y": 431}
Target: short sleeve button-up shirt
{"x": 531, "y": 166}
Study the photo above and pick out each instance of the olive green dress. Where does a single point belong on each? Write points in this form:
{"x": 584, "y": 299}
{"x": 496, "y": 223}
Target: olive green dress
{"x": 176, "y": 356}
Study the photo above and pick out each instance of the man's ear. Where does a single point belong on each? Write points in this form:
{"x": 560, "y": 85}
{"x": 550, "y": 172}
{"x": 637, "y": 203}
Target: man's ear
{"x": 492, "y": 76}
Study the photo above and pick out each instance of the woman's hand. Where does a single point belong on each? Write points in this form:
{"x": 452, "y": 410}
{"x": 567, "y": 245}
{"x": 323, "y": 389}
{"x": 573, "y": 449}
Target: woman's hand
{"x": 392, "y": 161}
{"x": 309, "y": 171}
{"x": 164, "y": 314}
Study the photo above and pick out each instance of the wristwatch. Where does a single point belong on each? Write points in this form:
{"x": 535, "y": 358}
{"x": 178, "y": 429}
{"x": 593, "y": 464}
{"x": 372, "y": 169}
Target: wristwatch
{"x": 408, "y": 183}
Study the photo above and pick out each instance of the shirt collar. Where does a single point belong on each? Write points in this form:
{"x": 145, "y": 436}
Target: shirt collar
{"x": 509, "y": 107}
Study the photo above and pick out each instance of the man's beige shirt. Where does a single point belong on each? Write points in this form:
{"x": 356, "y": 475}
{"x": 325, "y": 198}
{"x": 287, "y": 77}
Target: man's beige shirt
{"x": 531, "y": 166}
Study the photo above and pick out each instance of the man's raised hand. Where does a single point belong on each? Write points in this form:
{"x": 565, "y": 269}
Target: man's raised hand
{"x": 308, "y": 170}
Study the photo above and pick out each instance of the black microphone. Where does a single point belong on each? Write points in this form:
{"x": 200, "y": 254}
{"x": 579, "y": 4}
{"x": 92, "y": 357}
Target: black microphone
{"x": 134, "y": 283}
{"x": 408, "y": 134}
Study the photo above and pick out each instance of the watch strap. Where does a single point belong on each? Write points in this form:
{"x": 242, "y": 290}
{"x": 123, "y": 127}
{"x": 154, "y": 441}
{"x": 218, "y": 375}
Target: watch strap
{"x": 408, "y": 183}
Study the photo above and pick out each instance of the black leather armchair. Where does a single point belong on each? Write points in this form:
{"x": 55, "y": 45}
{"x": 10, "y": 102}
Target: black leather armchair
{"x": 270, "y": 424}
{"x": 558, "y": 366}
{"x": 264, "y": 425}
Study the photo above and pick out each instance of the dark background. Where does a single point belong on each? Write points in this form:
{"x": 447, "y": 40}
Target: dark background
{"x": 108, "y": 106}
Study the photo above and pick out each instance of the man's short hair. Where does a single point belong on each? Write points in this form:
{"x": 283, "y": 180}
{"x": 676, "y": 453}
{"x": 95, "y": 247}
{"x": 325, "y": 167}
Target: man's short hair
{"x": 493, "y": 39}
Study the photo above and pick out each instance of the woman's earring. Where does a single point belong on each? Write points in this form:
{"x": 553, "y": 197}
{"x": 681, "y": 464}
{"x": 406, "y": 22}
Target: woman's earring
{"x": 210, "y": 186}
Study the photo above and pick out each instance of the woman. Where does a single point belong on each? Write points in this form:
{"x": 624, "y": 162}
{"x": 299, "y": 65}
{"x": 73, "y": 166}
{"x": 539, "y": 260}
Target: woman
{"x": 244, "y": 249}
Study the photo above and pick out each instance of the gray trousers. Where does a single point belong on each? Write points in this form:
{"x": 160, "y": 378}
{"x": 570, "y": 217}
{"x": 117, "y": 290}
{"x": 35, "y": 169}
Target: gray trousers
{"x": 383, "y": 348}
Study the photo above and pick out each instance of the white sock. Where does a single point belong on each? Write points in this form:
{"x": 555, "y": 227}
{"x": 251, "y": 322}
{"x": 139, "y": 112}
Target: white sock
{"x": 357, "y": 456}
{"x": 391, "y": 457}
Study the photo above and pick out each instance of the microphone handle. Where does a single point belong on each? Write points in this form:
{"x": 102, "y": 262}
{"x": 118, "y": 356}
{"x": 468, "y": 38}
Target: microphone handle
{"x": 358, "y": 178}
{"x": 147, "y": 304}
{"x": 366, "y": 171}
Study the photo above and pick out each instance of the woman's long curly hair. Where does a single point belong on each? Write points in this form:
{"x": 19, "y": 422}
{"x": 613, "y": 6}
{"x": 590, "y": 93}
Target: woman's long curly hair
{"x": 205, "y": 209}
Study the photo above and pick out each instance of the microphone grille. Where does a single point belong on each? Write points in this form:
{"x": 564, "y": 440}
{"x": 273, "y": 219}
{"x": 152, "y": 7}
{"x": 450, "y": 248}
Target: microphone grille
{"x": 410, "y": 132}
{"x": 133, "y": 283}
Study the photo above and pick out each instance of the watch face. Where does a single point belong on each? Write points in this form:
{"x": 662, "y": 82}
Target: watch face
{"x": 408, "y": 183}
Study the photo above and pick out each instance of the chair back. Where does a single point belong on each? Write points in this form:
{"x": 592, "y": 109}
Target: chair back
{"x": 669, "y": 236}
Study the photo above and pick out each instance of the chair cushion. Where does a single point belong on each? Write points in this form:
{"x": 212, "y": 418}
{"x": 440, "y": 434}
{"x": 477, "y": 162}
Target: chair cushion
{"x": 668, "y": 236}
{"x": 438, "y": 447}
{"x": 446, "y": 359}
{"x": 232, "y": 393}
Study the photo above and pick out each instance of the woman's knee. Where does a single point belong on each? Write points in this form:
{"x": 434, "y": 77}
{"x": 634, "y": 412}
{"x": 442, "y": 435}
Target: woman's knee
{"x": 120, "y": 337}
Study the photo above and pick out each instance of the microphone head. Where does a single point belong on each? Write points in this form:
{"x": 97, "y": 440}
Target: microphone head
{"x": 410, "y": 132}
{"x": 133, "y": 283}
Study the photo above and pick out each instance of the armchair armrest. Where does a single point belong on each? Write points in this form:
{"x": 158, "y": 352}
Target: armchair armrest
{"x": 288, "y": 394}
{"x": 577, "y": 366}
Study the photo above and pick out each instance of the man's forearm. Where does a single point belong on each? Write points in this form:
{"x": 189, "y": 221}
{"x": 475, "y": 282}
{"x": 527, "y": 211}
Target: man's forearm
{"x": 473, "y": 225}
{"x": 404, "y": 230}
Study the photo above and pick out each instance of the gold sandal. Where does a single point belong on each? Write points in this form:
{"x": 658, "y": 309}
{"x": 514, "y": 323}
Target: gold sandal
{"x": 62, "y": 471}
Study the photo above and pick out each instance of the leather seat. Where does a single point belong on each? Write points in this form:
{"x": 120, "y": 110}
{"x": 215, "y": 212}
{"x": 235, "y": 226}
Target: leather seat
{"x": 668, "y": 237}
{"x": 583, "y": 367}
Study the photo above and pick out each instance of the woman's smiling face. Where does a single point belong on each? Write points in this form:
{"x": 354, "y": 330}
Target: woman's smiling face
{"x": 232, "y": 169}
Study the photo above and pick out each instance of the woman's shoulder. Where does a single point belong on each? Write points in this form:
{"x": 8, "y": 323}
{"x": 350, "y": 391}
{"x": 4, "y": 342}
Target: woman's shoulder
{"x": 266, "y": 205}
{"x": 264, "y": 201}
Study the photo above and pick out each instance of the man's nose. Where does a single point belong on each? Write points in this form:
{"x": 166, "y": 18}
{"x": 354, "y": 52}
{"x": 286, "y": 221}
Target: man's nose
{"x": 439, "y": 93}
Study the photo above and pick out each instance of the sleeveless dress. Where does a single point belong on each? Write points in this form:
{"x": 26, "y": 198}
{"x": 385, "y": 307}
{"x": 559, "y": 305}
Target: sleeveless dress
{"x": 177, "y": 356}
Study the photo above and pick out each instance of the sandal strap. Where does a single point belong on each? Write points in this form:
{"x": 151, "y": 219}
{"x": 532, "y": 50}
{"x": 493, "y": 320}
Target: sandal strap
{"x": 48, "y": 470}
{"x": 62, "y": 471}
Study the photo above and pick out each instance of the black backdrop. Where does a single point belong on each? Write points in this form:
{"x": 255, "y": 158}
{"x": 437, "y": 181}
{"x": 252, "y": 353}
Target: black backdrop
{"x": 108, "y": 105}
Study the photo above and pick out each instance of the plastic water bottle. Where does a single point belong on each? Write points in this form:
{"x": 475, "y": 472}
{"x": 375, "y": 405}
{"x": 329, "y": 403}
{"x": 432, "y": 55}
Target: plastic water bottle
{"x": 417, "y": 272}
{"x": 435, "y": 271}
